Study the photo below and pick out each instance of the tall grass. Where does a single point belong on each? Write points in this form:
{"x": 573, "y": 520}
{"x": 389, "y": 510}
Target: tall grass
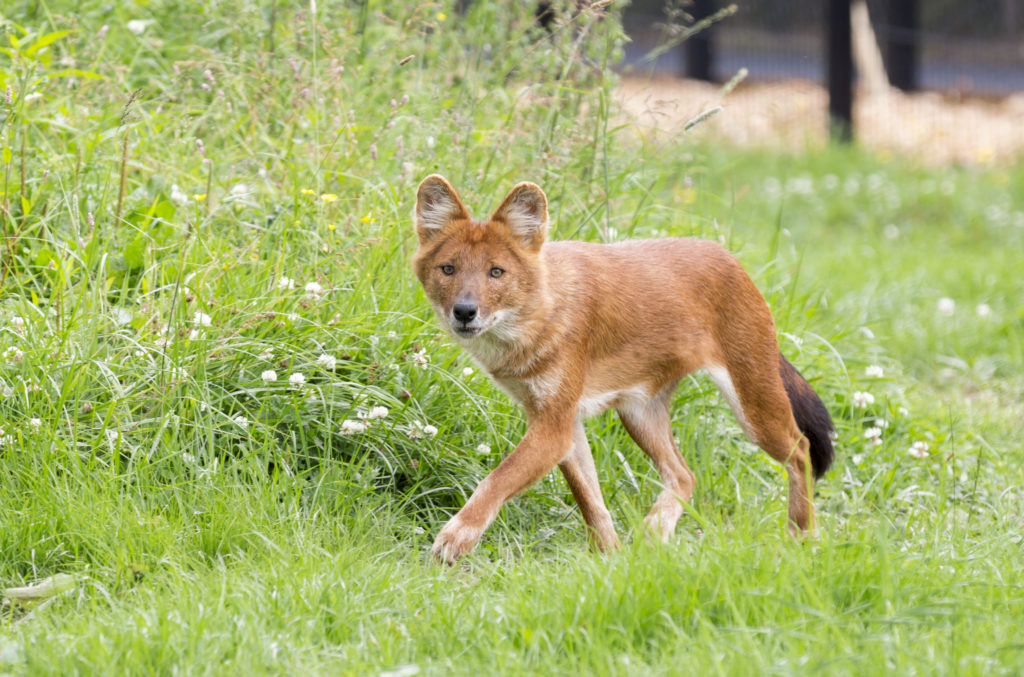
{"x": 226, "y": 194}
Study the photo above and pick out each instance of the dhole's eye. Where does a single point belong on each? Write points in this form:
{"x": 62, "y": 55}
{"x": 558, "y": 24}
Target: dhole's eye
{"x": 496, "y": 272}
{"x": 448, "y": 269}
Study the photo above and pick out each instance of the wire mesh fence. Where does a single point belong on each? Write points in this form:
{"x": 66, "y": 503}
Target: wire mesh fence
{"x": 956, "y": 72}
{"x": 975, "y": 47}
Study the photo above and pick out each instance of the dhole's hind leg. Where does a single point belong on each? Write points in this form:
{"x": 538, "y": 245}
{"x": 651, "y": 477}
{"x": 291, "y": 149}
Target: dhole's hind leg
{"x": 761, "y": 405}
{"x": 650, "y": 427}
{"x": 581, "y": 475}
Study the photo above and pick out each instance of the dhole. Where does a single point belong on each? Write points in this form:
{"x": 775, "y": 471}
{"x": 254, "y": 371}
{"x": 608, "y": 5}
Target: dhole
{"x": 570, "y": 329}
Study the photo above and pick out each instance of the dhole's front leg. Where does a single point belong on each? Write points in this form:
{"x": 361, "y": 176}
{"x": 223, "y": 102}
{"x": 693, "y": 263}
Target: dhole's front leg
{"x": 545, "y": 444}
{"x": 581, "y": 476}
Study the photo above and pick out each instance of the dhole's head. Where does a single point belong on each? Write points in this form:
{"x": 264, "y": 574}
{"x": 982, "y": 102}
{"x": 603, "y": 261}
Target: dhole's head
{"x": 480, "y": 275}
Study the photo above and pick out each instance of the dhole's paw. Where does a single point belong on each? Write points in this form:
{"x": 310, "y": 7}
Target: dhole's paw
{"x": 661, "y": 520}
{"x": 454, "y": 541}
{"x": 659, "y": 527}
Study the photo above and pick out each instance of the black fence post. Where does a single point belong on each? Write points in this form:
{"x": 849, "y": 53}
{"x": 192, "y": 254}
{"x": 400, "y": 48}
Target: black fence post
{"x": 901, "y": 44}
{"x": 697, "y": 48}
{"x": 840, "y": 69}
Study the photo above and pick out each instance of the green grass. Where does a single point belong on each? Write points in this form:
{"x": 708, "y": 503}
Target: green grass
{"x": 218, "y": 522}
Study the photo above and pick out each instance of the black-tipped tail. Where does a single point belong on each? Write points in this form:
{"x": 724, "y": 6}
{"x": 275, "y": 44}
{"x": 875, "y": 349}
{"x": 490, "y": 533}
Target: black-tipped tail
{"x": 811, "y": 416}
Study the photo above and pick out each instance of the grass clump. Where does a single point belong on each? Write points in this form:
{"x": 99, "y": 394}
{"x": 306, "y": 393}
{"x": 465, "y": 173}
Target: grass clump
{"x": 229, "y": 415}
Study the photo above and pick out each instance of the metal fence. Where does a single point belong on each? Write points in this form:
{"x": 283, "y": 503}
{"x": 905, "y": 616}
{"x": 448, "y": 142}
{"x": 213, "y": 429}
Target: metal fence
{"x": 973, "y": 47}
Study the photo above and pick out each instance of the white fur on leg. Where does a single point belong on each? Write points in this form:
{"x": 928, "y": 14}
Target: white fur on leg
{"x": 664, "y": 514}
{"x": 455, "y": 540}
{"x": 720, "y": 375}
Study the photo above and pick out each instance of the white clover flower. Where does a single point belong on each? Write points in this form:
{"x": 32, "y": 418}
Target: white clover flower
{"x": 269, "y": 376}
{"x": 201, "y": 320}
{"x": 873, "y": 435}
{"x": 137, "y": 26}
{"x": 242, "y": 422}
{"x": 467, "y": 372}
{"x": 483, "y": 449}
{"x": 178, "y": 196}
{"x": 326, "y": 361}
{"x": 420, "y": 358}
{"x": 35, "y": 423}
{"x": 801, "y": 185}
{"x": 881, "y": 423}
{"x": 285, "y": 282}
{"x": 983, "y": 310}
{"x": 297, "y": 379}
{"x": 377, "y": 412}
{"x": 122, "y": 316}
{"x": 863, "y": 399}
{"x": 314, "y": 289}
{"x": 14, "y": 355}
{"x": 429, "y": 430}
{"x": 162, "y": 342}
{"x": 17, "y": 323}
{"x": 918, "y": 450}
{"x": 416, "y": 430}
{"x": 239, "y": 190}
{"x": 350, "y": 427}
{"x": 947, "y": 306}
{"x": 874, "y": 371}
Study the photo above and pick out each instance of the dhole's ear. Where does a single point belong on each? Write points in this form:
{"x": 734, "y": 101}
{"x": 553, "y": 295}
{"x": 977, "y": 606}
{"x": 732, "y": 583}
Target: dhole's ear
{"x": 525, "y": 211}
{"x": 437, "y": 205}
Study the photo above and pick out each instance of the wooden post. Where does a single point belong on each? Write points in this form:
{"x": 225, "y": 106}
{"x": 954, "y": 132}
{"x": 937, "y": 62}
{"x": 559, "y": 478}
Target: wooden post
{"x": 697, "y": 49}
{"x": 839, "y": 55}
{"x": 901, "y": 44}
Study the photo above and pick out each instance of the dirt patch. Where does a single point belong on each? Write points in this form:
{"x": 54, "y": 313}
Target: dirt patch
{"x": 930, "y": 127}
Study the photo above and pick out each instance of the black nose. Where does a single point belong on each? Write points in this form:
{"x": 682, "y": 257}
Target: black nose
{"x": 464, "y": 312}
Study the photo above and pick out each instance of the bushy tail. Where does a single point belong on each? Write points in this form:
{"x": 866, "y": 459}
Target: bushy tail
{"x": 811, "y": 416}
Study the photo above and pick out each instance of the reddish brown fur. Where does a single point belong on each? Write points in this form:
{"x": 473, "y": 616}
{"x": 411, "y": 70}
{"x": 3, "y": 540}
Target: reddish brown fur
{"x": 578, "y": 327}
